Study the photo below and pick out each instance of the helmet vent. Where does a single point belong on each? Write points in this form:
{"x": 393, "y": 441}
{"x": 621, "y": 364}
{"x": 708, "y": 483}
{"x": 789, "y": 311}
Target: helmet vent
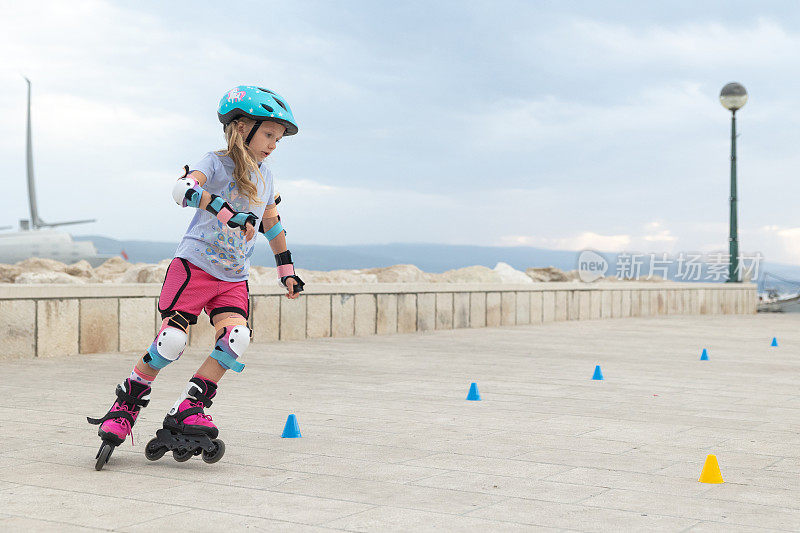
{"x": 265, "y": 90}
{"x": 281, "y": 104}
{"x": 268, "y": 108}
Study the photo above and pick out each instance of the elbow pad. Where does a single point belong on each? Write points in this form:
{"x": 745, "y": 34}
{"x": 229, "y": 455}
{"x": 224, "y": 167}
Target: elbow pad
{"x": 187, "y": 191}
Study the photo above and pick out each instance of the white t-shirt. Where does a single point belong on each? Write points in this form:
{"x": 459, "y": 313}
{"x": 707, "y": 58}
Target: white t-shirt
{"x": 220, "y": 250}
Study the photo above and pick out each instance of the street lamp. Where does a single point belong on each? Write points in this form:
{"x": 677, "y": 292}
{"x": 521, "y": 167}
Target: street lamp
{"x": 733, "y": 97}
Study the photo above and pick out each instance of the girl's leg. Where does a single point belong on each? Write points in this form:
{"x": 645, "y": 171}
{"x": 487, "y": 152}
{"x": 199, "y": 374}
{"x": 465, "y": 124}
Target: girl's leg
{"x": 187, "y": 415}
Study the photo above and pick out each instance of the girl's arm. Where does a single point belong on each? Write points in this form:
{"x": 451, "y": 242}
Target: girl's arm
{"x": 188, "y": 191}
{"x": 201, "y": 179}
{"x": 270, "y": 226}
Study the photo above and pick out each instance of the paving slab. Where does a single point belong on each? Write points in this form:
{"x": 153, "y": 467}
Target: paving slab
{"x": 390, "y": 442}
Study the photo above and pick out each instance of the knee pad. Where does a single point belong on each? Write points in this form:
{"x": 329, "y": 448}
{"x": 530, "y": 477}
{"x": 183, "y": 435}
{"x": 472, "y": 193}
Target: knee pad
{"x": 168, "y": 345}
{"x": 231, "y": 345}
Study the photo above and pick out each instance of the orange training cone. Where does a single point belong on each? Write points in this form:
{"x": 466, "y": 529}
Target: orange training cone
{"x": 711, "y": 473}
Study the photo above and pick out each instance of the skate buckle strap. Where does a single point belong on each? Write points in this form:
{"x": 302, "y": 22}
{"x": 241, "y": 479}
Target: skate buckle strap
{"x": 129, "y": 399}
{"x": 196, "y": 410}
{"x": 123, "y": 413}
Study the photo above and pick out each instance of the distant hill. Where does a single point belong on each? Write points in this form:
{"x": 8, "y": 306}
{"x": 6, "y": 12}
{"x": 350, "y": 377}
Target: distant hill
{"x": 434, "y": 258}
{"x": 428, "y": 257}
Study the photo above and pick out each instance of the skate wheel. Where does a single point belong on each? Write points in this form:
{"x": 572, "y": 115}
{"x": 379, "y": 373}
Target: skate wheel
{"x": 215, "y": 455}
{"x": 155, "y": 450}
{"x": 182, "y": 456}
{"x": 103, "y": 454}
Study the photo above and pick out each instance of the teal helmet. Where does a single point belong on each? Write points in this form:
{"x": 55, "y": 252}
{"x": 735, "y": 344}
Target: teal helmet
{"x": 259, "y": 104}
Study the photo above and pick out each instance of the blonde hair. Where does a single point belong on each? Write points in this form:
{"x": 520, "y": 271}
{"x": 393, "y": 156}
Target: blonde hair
{"x": 244, "y": 163}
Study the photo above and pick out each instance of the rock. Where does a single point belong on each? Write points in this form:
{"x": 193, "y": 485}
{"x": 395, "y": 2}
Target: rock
{"x": 546, "y": 274}
{"x": 48, "y": 277}
{"x": 509, "y": 274}
{"x": 398, "y": 274}
{"x": 471, "y": 274}
{"x": 144, "y": 273}
{"x": 38, "y": 264}
{"x": 338, "y": 276}
{"x": 112, "y": 270}
{"x": 9, "y": 272}
{"x": 81, "y": 269}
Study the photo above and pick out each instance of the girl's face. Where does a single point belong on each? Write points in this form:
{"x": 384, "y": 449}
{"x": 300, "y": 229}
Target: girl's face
{"x": 265, "y": 140}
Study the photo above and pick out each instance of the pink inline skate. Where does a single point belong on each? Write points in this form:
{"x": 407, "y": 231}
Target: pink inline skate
{"x": 118, "y": 423}
{"x": 187, "y": 430}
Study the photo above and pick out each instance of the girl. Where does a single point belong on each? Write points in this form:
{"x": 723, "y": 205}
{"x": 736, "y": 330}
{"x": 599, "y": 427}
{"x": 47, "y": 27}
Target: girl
{"x": 209, "y": 272}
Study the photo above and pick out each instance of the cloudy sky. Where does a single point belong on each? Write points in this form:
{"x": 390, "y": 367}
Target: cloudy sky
{"x": 554, "y": 124}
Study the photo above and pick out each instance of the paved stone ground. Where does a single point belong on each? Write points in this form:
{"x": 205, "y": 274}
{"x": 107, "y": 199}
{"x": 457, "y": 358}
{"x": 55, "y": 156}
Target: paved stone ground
{"x": 389, "y": 442}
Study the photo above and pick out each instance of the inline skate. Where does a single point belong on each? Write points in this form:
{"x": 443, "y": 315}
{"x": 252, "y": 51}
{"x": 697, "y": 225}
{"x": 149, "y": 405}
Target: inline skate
{"x": 187, "y": 431}
{"x": 118, "y": 423}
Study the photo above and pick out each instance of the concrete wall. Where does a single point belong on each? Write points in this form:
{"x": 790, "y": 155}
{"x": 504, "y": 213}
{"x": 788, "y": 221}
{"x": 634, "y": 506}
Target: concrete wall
{"x": 56, "y": 320}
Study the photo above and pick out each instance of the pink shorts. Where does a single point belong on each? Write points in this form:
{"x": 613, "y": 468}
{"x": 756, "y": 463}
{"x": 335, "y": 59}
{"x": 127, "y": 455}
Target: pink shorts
{"x": 190, "y": 289}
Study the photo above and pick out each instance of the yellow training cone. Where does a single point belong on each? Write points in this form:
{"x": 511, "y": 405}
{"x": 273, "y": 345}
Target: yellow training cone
{"x": 711, "y": 473}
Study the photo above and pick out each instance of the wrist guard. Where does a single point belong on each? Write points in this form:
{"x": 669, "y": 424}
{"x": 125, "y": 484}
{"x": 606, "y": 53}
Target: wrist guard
{"x": 285, "y": 266}
{"x": 222, "y": 210}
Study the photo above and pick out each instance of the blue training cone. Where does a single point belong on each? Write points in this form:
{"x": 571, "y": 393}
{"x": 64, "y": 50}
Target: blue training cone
{"x": 291, "y": 430}
{"x": 598, "y": 374}
{"x": 774, "y": 342}
{"x": 704, "y": 355}
{"x": 474, "y": 395}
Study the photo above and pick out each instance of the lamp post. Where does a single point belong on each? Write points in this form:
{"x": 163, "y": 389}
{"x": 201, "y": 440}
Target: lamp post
{"x": 733, "y": 97}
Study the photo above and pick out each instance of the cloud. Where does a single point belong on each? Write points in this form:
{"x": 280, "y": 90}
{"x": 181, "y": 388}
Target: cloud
{"x": 582, "y": 241}
{"x": 657, "y": 233}
{"x": 762, "y": 43}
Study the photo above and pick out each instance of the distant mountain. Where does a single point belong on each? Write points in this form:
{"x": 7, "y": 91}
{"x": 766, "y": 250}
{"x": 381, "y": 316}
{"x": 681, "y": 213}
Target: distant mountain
{"x": 428, "y": 257}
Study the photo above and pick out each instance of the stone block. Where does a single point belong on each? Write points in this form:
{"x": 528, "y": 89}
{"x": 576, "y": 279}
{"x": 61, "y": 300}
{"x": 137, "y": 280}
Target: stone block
{"x": 366, "y": 314}
{"x": 548, "y": 306}
{"x": 523, "y": 306}
{"x": 703, "y": 301}
{"x": 203, "y": 334}
{"x": 407, "y": 313}
{"x": 461, "y": 305}
{"x": 99, "y": 325}
{"x": 18, "y": 334}
{"x": 715, "y": 301}
{"x": 293, "y": 318}
{"x": 636, "y": 303}
{"x": 57, "y": 327}
{"x": 426, "y": 311}
{"x": 625, "y": 303}
{"x": 387, "y": 314}
{"x": 596, "y": 304}
{"x": 606, "y": 303}
{"x": 644, "y": 303}
{"x": 136, "y": 324}
{"x": 561, "y": 307}
{"x": 536, "y": 304}
{"x": 318, "y": 315}
{"x": 493, "y": 309}
{"x": 573, "y": 305}
{"x": 265, "y": 317}
{"x": 444, "y": 310}
{"x": 343, "y": 315}
{"x": 508, "y": 308}
{"x": 585, "y": 305}
{"x": 477, "y": 309}
{"x": 616, "y": 304}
